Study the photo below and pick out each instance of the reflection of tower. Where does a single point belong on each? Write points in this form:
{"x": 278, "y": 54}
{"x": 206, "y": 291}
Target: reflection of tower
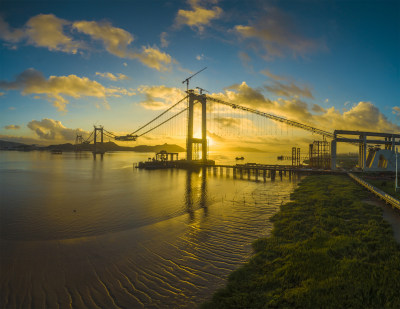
{"x": 203, "y": 193}
{"x": 189, "y": 195}
{"x": 192, "y": 190}
{"x": 191, "y": 141}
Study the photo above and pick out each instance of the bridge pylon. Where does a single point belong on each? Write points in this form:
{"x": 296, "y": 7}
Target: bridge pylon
{"x": 98, "y": 149}
{"x": 190, "y": 139}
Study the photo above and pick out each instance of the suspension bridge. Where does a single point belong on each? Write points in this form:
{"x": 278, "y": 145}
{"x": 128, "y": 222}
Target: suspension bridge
{"x": 212, "y": 115}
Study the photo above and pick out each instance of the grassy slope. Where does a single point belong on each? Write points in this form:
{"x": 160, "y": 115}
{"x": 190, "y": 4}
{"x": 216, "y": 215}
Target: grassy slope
{"x": 328, "y": 249}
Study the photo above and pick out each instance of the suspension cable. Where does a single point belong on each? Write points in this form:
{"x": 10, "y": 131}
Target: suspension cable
{"x": 162, "y": 122}
{"x": 159, "y": 116}
{"x": 89, "y": 137}
{"x": 274, "y": 117}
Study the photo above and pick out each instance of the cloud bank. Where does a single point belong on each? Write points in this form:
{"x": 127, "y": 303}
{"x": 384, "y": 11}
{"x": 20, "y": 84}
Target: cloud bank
{"x": 56, "y": 34}
{"x": 361, "y": 116}
{"x": 57, "y": 88}
{"x": 49, "y": 129}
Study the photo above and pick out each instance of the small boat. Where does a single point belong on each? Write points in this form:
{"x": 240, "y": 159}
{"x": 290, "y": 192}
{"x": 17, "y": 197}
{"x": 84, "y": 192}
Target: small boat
{"x": 56, "y": 151}
{"x": 239, "y": 158}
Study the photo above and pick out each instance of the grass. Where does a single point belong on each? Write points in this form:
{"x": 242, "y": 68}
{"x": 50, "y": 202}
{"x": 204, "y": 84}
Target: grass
{"x": 328, "y": 249}
{"x": 386, "y": 185}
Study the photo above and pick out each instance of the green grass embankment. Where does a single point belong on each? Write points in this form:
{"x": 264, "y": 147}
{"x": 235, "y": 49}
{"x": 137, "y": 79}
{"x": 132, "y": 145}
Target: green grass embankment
{"x": 328, "y": 249}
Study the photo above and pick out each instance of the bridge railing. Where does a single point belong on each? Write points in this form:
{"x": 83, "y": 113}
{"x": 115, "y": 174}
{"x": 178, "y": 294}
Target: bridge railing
{"x": 378, "y": 192}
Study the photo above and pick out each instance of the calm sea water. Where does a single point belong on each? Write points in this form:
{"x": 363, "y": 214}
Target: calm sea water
{"x": 84, "y": 233}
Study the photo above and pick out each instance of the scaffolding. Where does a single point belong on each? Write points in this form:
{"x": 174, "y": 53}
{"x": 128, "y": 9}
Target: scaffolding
{"x": 296, "y": 159}
{"x": 320, "y": 155}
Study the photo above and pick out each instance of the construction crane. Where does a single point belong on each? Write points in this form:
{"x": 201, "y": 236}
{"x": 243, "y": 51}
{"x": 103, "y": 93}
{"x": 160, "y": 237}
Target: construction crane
{"x": 187, "y": 79}
{"x": 201, "y": 90}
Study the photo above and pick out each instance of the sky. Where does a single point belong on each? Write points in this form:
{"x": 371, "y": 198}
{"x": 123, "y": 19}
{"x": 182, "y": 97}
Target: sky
{"x": 68, "y": 65}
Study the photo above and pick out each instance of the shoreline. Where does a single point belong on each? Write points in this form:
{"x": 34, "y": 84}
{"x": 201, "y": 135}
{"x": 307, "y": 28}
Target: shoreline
{"x": 328, "y": 249}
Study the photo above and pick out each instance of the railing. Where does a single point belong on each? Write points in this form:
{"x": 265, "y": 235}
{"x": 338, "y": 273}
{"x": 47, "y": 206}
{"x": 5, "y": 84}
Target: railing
{"x": 383, "y": 195}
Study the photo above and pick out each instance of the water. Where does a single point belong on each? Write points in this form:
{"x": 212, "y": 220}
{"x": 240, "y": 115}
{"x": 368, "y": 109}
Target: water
{"x": 84, "y": 233}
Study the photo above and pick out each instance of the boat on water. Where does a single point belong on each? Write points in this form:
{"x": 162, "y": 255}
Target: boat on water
{"x": 239, "y": 158}
{"x": 56, "y": 151}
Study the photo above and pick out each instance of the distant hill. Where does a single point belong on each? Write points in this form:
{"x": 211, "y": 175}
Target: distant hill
{"x": 107, "y": 146}
{"x": 111, "y": 146}
{"x": 7, "y": 144}
{"x": 158, "y": 148}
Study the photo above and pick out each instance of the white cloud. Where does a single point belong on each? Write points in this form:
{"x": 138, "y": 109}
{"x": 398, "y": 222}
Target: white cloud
{"x": 163, "y": 39}
{"x": 8, "y": 34}
{"x": 12, "y": 127}
{"x": 276, "y": 35}
{"x": 113, "y": 77}
{"x": 396, "y": 111}
{"x": 160, "y": 97}
{"x": 47, "y": 30}
{"x": 115, "y": 40}
{"x": 50, "y": 129}
{"x": 153, "y": 58}
{"x": 288, "y": 89}
{"x": 198, "y": 17}
{"x": 56, "y": 88}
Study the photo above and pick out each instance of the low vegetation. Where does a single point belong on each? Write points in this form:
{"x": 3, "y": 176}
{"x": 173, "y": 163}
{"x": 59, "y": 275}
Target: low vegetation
{"x": 386, "y": 185}
{"x": 328, "y": 249}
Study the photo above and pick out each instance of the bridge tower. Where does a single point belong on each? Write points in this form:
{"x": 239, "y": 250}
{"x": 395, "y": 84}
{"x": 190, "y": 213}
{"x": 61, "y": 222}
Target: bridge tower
{"x": 190, "y": 139}
{"x": 100, "y": 150}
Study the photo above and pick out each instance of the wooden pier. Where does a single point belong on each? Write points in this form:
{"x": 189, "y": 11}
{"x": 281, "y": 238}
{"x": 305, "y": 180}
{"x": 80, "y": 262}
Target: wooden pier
{"x": 250, "y": 171}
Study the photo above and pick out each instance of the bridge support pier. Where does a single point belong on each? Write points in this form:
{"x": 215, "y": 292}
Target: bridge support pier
{"x": 273, "y": 174}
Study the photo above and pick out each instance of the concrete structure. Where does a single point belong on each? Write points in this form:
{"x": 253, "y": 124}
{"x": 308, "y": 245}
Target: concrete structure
{"x": 166, "y": 156}
{"x": 379, "y": 160}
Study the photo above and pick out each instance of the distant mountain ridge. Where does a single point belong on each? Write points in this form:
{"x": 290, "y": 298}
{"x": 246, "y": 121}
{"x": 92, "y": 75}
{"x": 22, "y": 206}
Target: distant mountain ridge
{"x": 107, "y": 146}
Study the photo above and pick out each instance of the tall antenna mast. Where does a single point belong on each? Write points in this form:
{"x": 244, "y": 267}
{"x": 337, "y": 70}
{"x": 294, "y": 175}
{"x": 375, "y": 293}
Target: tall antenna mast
{"x": 187, "y": 79}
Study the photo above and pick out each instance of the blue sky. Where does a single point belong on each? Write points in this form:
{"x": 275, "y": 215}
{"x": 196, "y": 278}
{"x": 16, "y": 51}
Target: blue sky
{"x": 66, "y": 65}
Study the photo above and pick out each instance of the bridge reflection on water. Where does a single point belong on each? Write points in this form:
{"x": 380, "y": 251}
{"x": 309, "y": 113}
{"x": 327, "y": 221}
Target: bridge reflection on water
{"x": 153, "y": 239}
